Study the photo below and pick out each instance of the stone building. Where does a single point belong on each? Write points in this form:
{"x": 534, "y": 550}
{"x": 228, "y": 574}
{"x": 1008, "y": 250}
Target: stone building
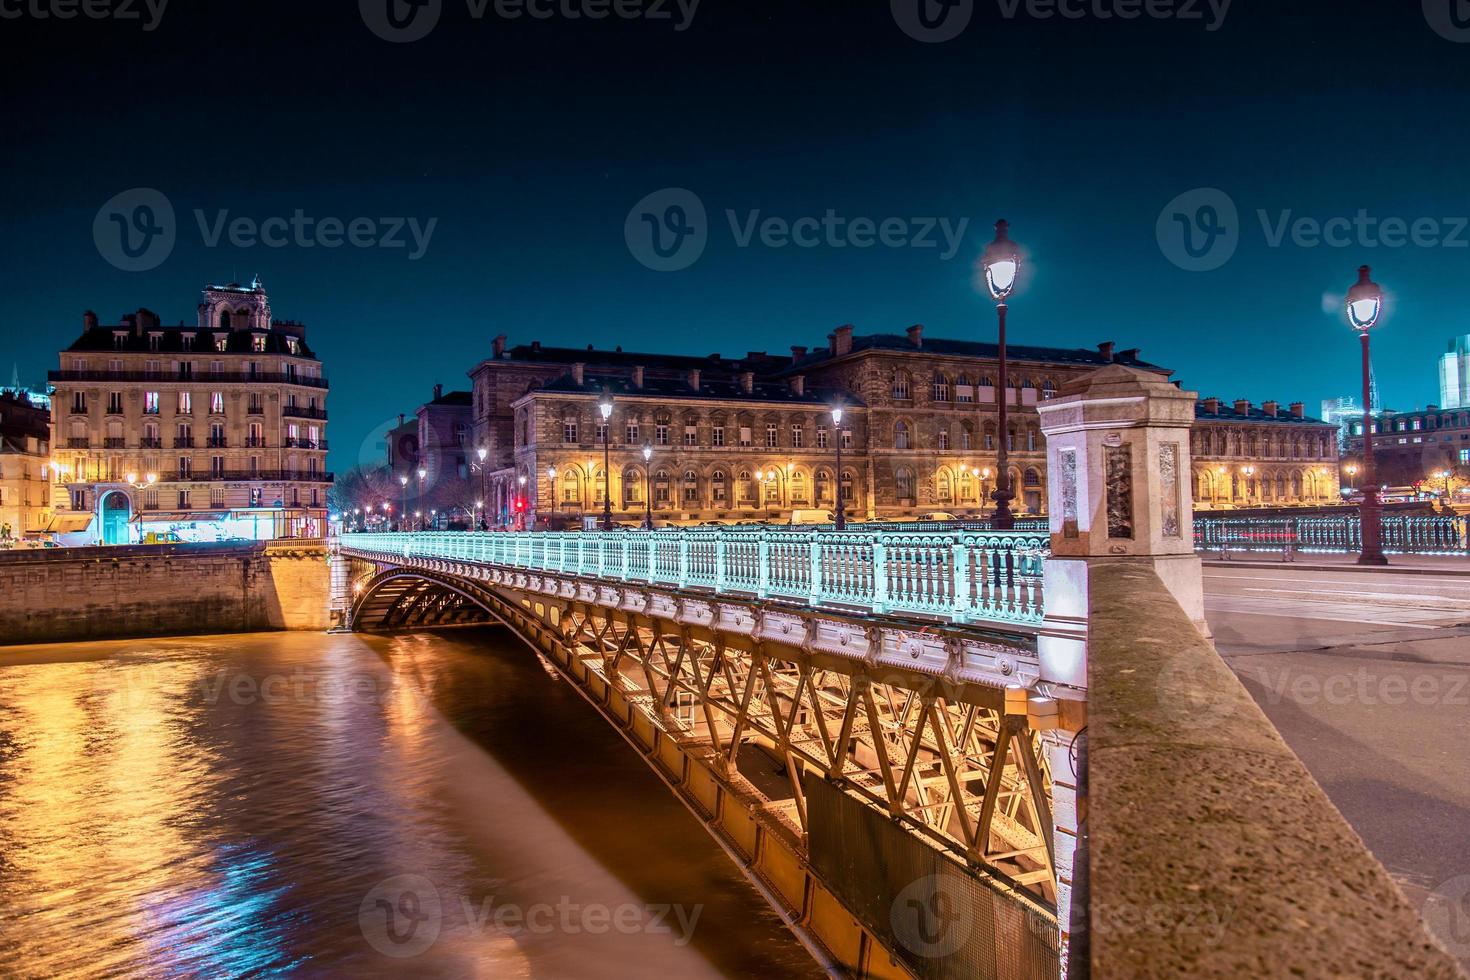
{"x": 437, "y": 441}
{"x": 1410, "y": 447}
{"x": 213, "y": 430}
{"x": 25, "y": 455}
{"x": 1249, "y": 456}
{"x": 753, "y": 438}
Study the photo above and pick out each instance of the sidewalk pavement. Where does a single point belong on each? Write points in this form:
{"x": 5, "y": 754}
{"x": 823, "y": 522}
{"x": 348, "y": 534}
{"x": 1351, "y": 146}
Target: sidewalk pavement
{"x": 1311, "y": 562}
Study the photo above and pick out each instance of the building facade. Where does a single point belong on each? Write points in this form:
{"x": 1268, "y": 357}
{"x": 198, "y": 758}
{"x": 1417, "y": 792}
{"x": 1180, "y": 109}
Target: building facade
{"x": 211, "y": 431}
{"x": 25, "y": 456}
{"x": 752, "y": 438}
{"x": 433, "y": 466}
{"x": 1454, "y": 374}
{"x": 1409, "y": 448}
{"x": 1249, "y": 456}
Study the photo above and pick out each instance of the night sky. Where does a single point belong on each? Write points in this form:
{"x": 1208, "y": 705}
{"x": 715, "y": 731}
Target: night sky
{"x": 527, "y": 142}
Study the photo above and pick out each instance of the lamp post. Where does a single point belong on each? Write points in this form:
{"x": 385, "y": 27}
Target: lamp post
{"x": 479, "y": 505}
{"x": 1001, "y": 262}
{"x": 1220, "y": 472}
{"x": 1445, "y": 476}
{"x": 605, "y": 406}
{"x": 1364, "y": 305}
{"x": 1351, "y": 470}
{"x": 388, "y": 513}
{"x": 403, "y": 499}
{"x": 551, "y": 475}
{"x": 841, "y": 515}
{"x": 521, "y": 502}
{"x": 648, "y": 485}
{"x": 1249, "y": 473}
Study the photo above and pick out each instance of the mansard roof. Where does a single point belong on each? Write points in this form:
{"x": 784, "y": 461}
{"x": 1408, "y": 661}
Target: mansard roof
{"x": 900, "y": 343}
{"x": 710, "y": 388}
{"x": 171, "y": 340}
{"x": 1227, "y": 413}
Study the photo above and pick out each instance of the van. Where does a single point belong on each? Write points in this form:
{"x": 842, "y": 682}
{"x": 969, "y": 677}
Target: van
{"x": 162, "y": 537}
{"x": 813, "y": 517}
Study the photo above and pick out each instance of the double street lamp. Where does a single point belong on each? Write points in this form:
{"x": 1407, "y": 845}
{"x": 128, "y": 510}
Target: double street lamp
{"x": 1001, "y": 263}
{"x": 403, "y": 499}
{"x": 1364, "y": 306}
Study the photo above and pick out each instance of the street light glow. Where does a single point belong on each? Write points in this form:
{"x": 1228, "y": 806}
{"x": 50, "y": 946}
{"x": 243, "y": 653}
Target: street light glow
{"x": 1001, "y": 262}
{"x": 1364, "y": 301}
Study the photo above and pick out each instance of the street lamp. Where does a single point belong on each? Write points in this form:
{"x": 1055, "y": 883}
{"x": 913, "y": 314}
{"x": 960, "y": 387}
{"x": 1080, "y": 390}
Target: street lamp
{"x": 418, "y": 520}
{"x": 1364, "y": 305}
{"x": 521, "y": 502}
{"x": 403, "y": 498}
{"x": 841, "y": 518}
{"x": 479, "y": 505}
{"x": 648, "y": 485}
{"x": 1249, "y": 473}
{"x": 605, "y": 406}
{"x": 1445, "y": 476}
{"x": 1351, "y": 470}
{"x": 551, "y": 476}
{"x": 1002, "y": 262}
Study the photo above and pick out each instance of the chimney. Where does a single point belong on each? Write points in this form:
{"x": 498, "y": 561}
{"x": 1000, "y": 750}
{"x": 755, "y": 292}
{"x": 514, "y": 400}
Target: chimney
{"x": 1131, "y": 354}
{"x": 579, "y": 374}
{"x": 747, "y": 381}
{"x": 1298, "y": 410}
{"x": 841, "y": 340}
{"x": 797, "y": 353}
{"x": 916, "y": 335}
{"x": 498, "y": 346}
{"x": 798, "y": 385}
{"x": 438, "y": 392}
{"x": 89, "y": 320}
{"x": 694, "y": 378}
{"x": 638, "y": 376}
{"x": 536, "y": 346}
{"x": 1242, "y": 406}
{"x": 1212, "y": 406}
{"x": 1106, "y": 350}
{"x": 1272, "y": 409}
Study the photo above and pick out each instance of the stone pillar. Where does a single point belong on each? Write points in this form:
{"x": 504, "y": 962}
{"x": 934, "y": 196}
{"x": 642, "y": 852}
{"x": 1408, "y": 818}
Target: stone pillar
{"x": 1118, "y": 485}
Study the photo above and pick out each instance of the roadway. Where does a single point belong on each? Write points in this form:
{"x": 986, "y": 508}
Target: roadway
{"x": 1367, "y": 675}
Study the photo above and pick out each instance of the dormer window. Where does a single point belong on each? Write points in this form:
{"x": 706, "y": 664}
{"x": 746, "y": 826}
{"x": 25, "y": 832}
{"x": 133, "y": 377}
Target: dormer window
{"x": 257, "y": 343}
{"x": 154, "y": 340}
{"x": 189, "y": 341}
{"x": 221, "y": 342}
{"x": 119, "y": 339}
{"x": 292, "y": 345}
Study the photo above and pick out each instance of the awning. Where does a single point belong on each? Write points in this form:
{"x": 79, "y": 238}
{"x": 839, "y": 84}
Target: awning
{"x": 177, "y": 516}
{"x": 68, "y": 523}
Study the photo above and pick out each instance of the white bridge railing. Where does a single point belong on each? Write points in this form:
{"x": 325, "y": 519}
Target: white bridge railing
{"x": 963, "y": 576}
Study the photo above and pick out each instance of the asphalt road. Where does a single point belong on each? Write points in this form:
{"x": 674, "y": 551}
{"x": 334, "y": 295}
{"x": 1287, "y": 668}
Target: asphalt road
{"x": 1367, "y": 675}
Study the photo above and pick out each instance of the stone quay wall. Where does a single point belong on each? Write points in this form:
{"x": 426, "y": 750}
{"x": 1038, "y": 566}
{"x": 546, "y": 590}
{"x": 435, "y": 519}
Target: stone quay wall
{"x": 64, "y": 595}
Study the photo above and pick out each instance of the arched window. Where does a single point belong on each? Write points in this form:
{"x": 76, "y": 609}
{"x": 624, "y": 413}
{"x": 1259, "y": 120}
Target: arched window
{"x": 967, "y": 484}
{"x": 848, "y": 480}
{"x": 942, "y": 440}
{"x": 902, "y": 389}
{"x": 224, "y": 319}
{"x": 823, "y": 482}
{"x": 691, "y": 488}
{"x": 661, "y": 488}
{"x": 718, "y": 488}
{"x": 901, "y": 435}
{"x": 1049, "y": 388}
{"x": 941, "y": 387}
{"x": 904, "y": 482}
{"x": 632, "y": 483}
{"x": 798, "y": 488}
{"x": 943, "y": 487}
{"x": 1032, "y": 478}
{"x": 744, "y": 488}
{"x": 571, "y": 487}
{"x": 967, "y": 436}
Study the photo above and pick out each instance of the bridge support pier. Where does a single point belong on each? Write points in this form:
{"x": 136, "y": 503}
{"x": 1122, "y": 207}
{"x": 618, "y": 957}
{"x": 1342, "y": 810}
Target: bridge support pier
{"x": 1118, "y": 451}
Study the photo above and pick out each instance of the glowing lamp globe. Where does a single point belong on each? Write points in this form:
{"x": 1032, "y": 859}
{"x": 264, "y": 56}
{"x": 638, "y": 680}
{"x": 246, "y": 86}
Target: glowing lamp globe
{"x": 605, "y": 406}
{"x": 1001, "y": 262}
{"x": 1364, "y": 302}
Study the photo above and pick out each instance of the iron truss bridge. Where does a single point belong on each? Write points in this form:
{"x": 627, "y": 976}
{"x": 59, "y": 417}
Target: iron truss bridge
{"x": 899, "y": 668}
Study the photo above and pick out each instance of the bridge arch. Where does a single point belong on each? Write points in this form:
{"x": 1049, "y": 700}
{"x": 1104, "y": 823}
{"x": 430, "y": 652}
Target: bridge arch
{"x": 409, "y": 598}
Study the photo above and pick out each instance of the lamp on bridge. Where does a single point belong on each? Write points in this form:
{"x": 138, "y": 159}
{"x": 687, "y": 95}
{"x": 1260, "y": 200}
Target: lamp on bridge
{"x": 402, "y": 497}
{"x": 1001, "y": 263}
{"x": 1351, "y": 470}
{"x": 648, "y": 485}
{"x": 1250, "y": 484}
{"x": 840, "y": 519}
{"x": 1364, "y": 306}
{"x": 605, "y": 406}
{"x": 551, "y": 475}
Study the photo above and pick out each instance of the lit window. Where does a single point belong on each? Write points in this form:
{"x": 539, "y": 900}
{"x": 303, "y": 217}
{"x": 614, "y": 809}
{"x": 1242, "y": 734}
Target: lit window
{"x": 217, "y": 402}
{"x": 796, "y": 437}
{"x": 186, "y": 403}
{"x": 772, "y": 440}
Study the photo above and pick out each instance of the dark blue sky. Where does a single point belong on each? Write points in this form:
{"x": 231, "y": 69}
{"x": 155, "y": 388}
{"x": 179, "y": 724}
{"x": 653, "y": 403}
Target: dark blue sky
{"x": 530, "y": 141}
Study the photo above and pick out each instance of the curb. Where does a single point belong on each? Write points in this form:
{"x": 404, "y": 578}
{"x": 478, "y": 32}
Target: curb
{"x": 1368, "y": 569}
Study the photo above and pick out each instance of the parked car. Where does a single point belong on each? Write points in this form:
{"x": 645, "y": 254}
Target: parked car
{"x": 813, "y": 517}
{"x": 938, "y": 515}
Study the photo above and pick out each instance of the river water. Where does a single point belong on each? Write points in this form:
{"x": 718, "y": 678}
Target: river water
{"x": 428, "y": 805}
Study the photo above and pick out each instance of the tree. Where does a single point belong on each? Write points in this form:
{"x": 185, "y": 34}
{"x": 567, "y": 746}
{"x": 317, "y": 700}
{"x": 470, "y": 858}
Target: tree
{"x": 363, "y": 487}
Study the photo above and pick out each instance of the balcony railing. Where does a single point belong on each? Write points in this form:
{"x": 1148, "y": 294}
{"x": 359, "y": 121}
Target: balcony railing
{"x": 290, "y": 443}
{"x": 297, "y": 412}
{"x": 184, "y": 443}
{"x": 199, "y": 377}
{"x": 961, "y": 576}
{"x": 219, "y": 442}
{"x": 255, "y": 442}
{"x": 1404, "y": 534}
{"x": 78, "y": 443}
{"x": 150, "y": 443}
{"x": 114, "y": 443}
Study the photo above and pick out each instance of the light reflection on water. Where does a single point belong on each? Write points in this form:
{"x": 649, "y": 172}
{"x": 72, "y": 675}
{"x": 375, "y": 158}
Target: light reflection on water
{"x": 251, "y": 805}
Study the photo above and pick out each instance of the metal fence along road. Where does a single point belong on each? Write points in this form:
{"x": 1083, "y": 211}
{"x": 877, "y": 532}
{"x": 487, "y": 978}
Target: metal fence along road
{"x": 1435, "y": 534}
{"x": 962, "y": 576}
